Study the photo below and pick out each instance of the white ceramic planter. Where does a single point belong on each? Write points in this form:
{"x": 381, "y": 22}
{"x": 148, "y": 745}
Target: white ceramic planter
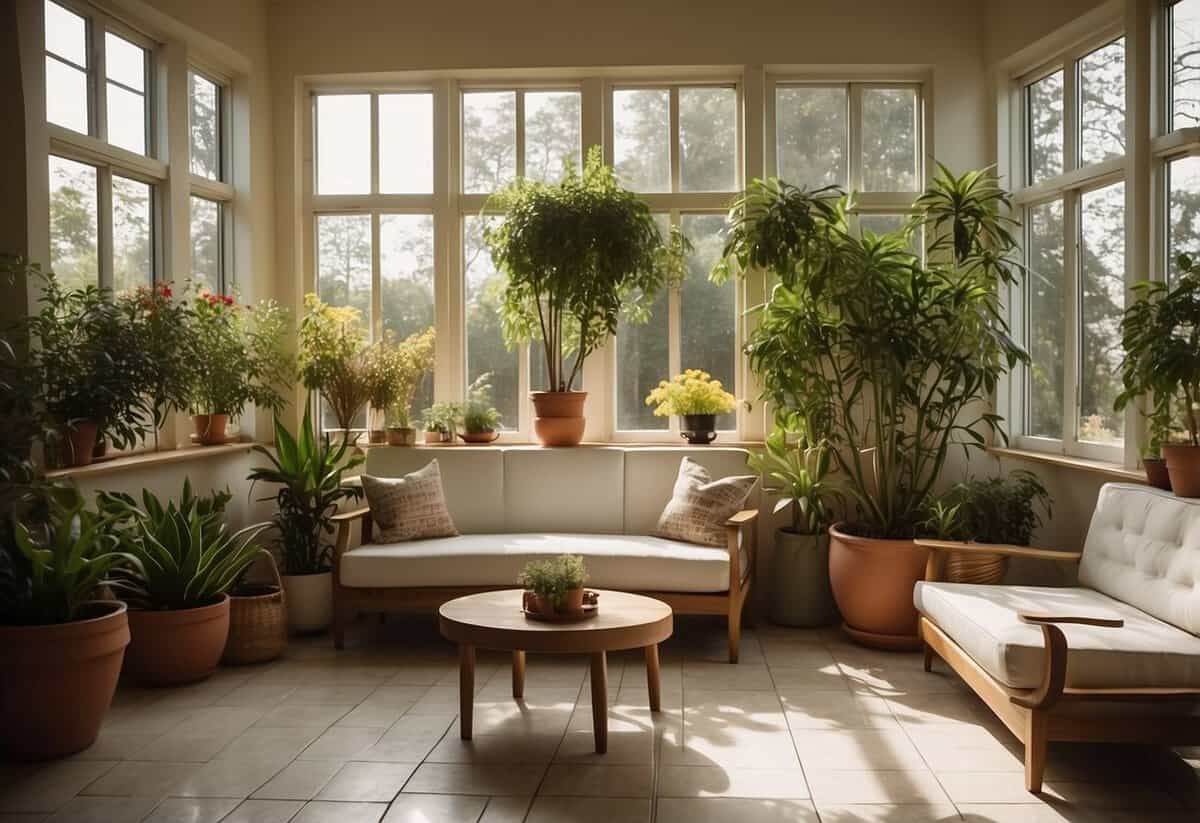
{"x": 309, "y": 601}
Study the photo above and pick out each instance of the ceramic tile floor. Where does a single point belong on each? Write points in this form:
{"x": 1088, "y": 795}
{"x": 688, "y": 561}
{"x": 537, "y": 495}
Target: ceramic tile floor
{"x": 806, "y": 728}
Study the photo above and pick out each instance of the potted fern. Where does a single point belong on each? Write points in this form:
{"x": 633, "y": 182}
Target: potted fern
{"x": 480, "y": 419}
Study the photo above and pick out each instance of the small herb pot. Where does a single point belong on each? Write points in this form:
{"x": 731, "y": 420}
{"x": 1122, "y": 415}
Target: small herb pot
{"x": 402, "y": 436}
{"x": 210, "y": 428}
{"x": 435, "y": 437}
{"x": 699, "y": 429}
{"x": 572, "y": 602}
{"x": 480, "y": 437}
{"x": 377, "y": 437}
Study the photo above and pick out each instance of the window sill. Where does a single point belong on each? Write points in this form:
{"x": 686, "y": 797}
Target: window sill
{"x": 1112, "y": 470}
{"x": 146, "y": 460}
{"x": 587, "y": 444}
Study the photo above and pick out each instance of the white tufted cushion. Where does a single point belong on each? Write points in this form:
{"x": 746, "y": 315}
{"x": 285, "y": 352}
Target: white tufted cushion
{"x": 1143, "y": 548}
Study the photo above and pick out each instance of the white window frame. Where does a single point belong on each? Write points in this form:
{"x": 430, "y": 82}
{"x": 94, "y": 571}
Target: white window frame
{"x": 218, "y": 191}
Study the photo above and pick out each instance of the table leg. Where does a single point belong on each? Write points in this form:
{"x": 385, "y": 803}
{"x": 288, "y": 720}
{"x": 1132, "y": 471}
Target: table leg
{"x": 600, "y": 701}
{"x": 466, "y": 689}
{"x": 653, "y": 680}
{"x": 518, "y": 674}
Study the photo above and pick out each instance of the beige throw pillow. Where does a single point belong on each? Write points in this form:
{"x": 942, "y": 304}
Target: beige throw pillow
{"x": 700, "y": 506}
{"x": 411, "y": 507}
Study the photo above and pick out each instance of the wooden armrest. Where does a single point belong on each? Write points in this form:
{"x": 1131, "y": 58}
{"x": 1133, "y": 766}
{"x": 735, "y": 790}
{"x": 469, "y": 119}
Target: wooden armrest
{"x": 1039, "y": 619}
{"x": 742, "y": 518}
{"x": 998, "y": 548}
{"x": 351, "y": 515}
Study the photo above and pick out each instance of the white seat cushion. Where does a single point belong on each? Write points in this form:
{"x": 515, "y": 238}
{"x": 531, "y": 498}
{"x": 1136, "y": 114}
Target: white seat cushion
{"x": 614, "y": 561}
{"x": 983, "y": 621}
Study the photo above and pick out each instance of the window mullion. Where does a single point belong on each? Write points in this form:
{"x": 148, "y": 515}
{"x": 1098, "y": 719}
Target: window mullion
{"x": 104, "y": 215}
{"x": 376, "y": 279}
{"x": 1071, "y": 339}
{"x": 99, "y": 80}
{"x": 673, "y": 144}
{"x": 1071, "y": 113}
{"x": 674, "y": 322}
{"x": 854, "y": 137}
{"x": 519, "y": 113}
{"x": 374, "y": 144}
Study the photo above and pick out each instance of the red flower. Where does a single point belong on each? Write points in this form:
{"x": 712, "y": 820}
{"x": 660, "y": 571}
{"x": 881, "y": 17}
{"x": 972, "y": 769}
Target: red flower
{"x": 227, "y": 300}
{"x": 165, "y": 291}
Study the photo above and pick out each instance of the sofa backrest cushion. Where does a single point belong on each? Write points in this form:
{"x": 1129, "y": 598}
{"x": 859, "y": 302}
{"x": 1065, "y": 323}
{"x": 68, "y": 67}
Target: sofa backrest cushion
{"x": 473, "y": 480}
{"x": 1143, "y": 548}
{"x": 563, "y": 490}
{"x": 650, "y": 475}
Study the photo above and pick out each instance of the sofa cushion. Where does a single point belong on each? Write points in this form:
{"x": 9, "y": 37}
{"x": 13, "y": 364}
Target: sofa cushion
{"x": 563, "y": 490}
{"x": 613, "y": 561}
{"x": 472, "y": 478}
{"x": 1143, "y": 548}
{"x": 699, "y": 505}
{"x": 650, "y": 474}
{"x": 409, "y": 507}
{"x": 983, "y": 621}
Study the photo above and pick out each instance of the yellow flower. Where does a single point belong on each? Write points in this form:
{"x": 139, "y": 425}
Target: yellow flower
{"x": 692, "y": 392}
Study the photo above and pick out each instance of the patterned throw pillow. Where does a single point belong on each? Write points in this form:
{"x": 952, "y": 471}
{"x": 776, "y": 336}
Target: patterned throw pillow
{"x": 411, "y": 507}
{"x": 700, "y": 506}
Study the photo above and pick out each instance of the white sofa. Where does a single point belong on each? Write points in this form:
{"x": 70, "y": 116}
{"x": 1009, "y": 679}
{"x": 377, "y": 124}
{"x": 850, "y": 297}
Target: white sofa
{"x": 1115, "y": 658}
{"x": 512, "y": 504}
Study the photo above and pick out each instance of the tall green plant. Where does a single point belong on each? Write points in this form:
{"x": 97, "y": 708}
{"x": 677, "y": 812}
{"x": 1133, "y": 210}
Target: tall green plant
{"x": 163, "y": 329}
{"x": 887, "y": 357}
{"x": 797, "y": 470}
{"x": 308, "y": 470}
{"x": 573, "y": 252}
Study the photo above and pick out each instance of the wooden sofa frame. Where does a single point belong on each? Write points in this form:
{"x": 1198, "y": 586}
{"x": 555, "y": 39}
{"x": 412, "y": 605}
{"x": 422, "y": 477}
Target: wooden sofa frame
{"x": 1054, "y": 711}
{"x": 740, "y": 531}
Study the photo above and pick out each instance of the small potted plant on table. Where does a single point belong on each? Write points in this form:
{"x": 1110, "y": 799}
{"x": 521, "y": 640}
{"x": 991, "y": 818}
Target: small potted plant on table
{"x": 698, "y": 399}
{"x": 480, "y": 420}
{"x": 556, "y": 585}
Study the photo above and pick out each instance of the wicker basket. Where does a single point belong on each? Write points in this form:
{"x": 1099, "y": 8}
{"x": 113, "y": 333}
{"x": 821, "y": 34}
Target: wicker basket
{"x": 972, "y": 567}
{"x": 257, "y": 624}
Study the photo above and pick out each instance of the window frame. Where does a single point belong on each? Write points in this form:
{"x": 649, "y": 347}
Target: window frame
{"x": 219, "y": 191}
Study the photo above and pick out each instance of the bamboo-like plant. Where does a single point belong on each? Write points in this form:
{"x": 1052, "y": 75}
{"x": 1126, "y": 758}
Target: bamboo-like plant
{"x": 888, "y": 358}
{"x": 798, "y": 472}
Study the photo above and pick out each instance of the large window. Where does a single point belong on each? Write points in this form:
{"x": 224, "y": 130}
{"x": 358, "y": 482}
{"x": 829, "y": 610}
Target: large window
{"x": 211, "y": 201}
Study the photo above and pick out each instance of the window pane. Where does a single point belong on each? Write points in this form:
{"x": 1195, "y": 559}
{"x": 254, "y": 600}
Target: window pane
{"x": 810, "y": 135}
{"x": 708, "y": 313}
{"x": 66, "y": 96}
{"x": 1046, "y": 310}
{"x": 1045, "y": 139}
{"x": 489, "y": 140}
{"x": 641, "y": 138}
{"x": 66, "y": 34}
{"x": 344, "y": 144}
{"x": 643, "y": 359}
{"x": 132, "y": 247}
{"x": 890, "y": 155}
{"x": 206, "y": 243}
{"x": 707, "y": 139}
{"x": 74, "y": 230}
{"x": 552, "y": 133}
{"x": 1102, "y": 269}
{"x": 1102, "y": 112}
{"x": 1183, "y": 231}
{"x": 539, "y": 375}
{"x": 486, "y": 352}
{"x": 344, "y": 261}
{"x": 406, "y": 143}
{"x": 406, "y": 280}
{"x": 126, "y": 119}
{"x": 1185, "y": 64}
{"x": 124, "y": 62}
{"x": 204, "y": 121}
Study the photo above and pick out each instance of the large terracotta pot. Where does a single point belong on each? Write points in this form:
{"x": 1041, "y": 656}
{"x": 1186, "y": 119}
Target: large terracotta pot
{"x": 1183, "y": 467}
{"x": 310, "y": 601}
{"x": 1156, "y": 473}
{"x": 873, "y": 582}
{"x": 79, "y": 443}
{"x": 800, "y": 593}
{"x": 168, "y": 647}
{"x": 210, "y": 428}
{"x": 559, "y": 420}
{"x": 56, "y": 682}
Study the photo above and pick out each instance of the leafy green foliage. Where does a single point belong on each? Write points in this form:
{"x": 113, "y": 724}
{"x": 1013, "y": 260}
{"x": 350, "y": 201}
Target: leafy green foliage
{"x": 550, "y": 579}
{"x": 797, "y": 471}
{"x": 479, "y": 416}
{"x": 573, "y": 252}
{"x": 394, "y": 369}
{"x": 880, "y": 355}
{"x": 442, "y": 417}
{"x": 1161, "y": 338}
{"x": 180, "y": 556}
{"x": 161, "y": 325}
{"x": 992, "y": 510}
{"x": 55, "y": 561}
{"x": 333, "y": 354}
{"x": 308, "y": 471}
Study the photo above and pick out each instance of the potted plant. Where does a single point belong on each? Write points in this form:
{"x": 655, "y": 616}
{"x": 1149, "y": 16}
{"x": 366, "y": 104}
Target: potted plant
{"x": 796, "y": 470}
{"x": 1160, "y": 333}
{"x": 333, "y": 347}
{"x": 480, "y": 419}
{"x": 556, "y": 585}
{"x": 887, "y": 356}
{"x": 308, "y": 471}
{"x": 241, "y": 358}
{"x": 163, "y": 328}
{"x": 441, "y": 422}
{"x": 573, "y": 252}
{"x": 995, "y": 510}
{"x": 695, "y": 397}
{"x": 63, "y": 648}
{"x": 393, "y": 371}
{"x": 181, "y": 564}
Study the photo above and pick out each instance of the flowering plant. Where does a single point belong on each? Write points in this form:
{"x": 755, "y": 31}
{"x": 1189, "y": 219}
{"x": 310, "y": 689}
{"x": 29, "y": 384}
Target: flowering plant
{"x": 393, "y": 371}
{"x": 333, "y": 352}
{"x": 160, "y": 325}
{"x": 693, "y": 392}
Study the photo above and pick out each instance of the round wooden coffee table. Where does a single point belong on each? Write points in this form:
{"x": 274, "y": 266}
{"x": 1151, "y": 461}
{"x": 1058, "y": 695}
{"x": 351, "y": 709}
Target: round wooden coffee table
{"x": 493, "y": 620}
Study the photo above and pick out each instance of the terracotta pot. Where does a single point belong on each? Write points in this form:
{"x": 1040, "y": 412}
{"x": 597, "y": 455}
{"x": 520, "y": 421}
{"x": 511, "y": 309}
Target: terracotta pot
{"x": 1183, "y": 466}
{"x": 572, "y": 602}
{"x": 56, "y": 682}
{"x": 560, "y": 420}
{"x": 480, "y": 437}
{"x": 377, "y": 437}
{"x": 873, "y": 582}
{"x": 699, "y": 429}
{"x": 402, "y": 437}
{"x": 310, "y": 601}
{"x": 101, "y": 448}
{"x": 210, "y": 428}
{"x": 169, "y": 647}
{"x": 79, "y": 443}
{"x": 435, "y": 437}
{"x": 1156, "y": 473}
